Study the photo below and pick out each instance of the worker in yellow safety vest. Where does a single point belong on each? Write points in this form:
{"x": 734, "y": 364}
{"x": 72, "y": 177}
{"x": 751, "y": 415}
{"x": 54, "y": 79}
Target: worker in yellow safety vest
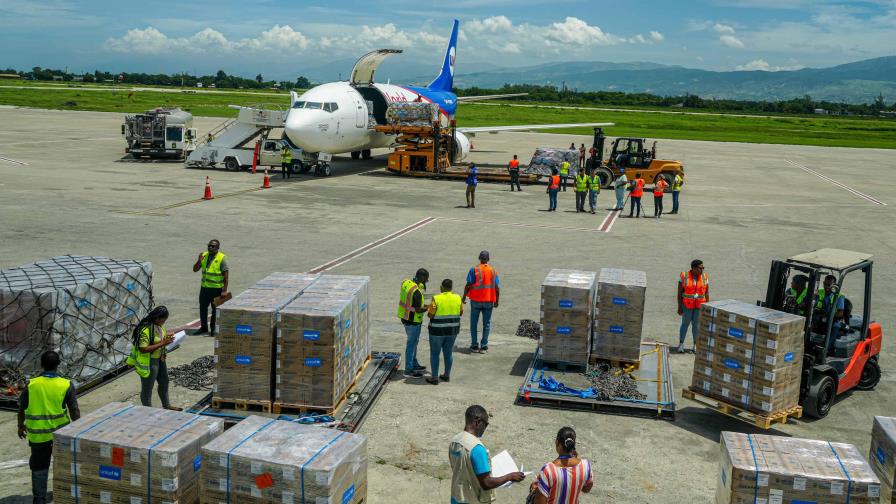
{"x": 471, "y": 472}
{"x": 148, "y": 356}
{"x": 564, "y": 174}
{"x": 410, "y": 311}
{"x": 693, "y": 291}
{"x": 285, "y": 162}
{"x": 677, "y": 182}
{"x": 48, "y": 403}
{"x": 593, "y": 189}
{"x": 444, "y": 326}
{"x": 215, "y": 278}
{"x": 581, "y": 190}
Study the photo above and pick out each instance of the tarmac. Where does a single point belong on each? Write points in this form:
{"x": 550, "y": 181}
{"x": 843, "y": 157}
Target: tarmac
{"x": 64, "y": 188}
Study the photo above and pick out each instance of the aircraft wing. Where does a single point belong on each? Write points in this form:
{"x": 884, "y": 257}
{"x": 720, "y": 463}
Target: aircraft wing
{"x": 365, "y": 67}
{"x": 467, "y": 99}
{"x": 527, "y": 127}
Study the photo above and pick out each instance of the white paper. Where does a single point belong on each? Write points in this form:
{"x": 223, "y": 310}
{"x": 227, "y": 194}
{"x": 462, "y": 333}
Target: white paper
{"x": 178, "y": 338}
{"x": 503, "y": 464}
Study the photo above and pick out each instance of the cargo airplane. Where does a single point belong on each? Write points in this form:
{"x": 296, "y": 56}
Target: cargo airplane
{"x": 336, "y": 117}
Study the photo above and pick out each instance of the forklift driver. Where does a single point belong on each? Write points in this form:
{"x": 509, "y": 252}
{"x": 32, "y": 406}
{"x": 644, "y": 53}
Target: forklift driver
{"x": 829, "y": 296}
{"x": 796, "y": 298}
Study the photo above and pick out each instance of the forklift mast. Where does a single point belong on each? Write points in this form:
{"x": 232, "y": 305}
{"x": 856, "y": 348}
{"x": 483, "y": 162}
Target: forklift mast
{"x": 599, "y": 140}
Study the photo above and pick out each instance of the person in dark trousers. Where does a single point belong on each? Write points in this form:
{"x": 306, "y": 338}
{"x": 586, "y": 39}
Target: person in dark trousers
{"x": 410, "y": 312}
{"x": 658, "y": 187}
{"x": 676, "y": 190}
{"x": 472, "y": 182}
{"x": 48, "y": 403}
{"x": 285, "y": 162}
{"x": 552, "y": 190}
{"x": 514, "y": 168}
{"x": 637, "y": 188}
{"x": 581, "y": 189}
{"x": 149, "y": 354}
{"x": 484, "y": 290}
{"x": 582, "y": 157}
{"x": 444, "y": 315}
{"x": 215, "y": 278}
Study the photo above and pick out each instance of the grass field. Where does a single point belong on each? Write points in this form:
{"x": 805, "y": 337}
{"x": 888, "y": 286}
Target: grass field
{"x": 823, "y": 131}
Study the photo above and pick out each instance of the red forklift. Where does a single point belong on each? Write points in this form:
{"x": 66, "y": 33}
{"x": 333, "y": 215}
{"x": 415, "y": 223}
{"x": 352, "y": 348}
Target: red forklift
{"x": 841, "y": 349}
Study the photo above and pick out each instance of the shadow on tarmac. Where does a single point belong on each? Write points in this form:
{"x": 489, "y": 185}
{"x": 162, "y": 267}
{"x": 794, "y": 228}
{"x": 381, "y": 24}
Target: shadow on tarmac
{"x": 22, "y": 499}
{"x": 522, "y": 364}
{"x": 710, "y": 424}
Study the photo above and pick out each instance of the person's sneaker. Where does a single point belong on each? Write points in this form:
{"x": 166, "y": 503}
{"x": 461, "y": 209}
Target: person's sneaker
{"x": 483, "y": 349}
{"x": 692, "y": 350}
{"x": 199, "y": 331}
{"x": 413, "y": 374}
{"x": 680, "y": 349}
{"x": 419, "y": 368}
{"x": 445, "y": 378}
{"x": 474, "y": 348}
{"x": 432, "y": 381}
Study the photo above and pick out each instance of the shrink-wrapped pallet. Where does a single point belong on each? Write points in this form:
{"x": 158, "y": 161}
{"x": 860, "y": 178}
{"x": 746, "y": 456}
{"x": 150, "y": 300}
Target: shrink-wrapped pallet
{"x": 83, "y": 307}
{"x": 261, "y": 460}
{"x": 358, "y": 287}
{"x": 412, "y": 113}
{"x": 125, "y": 454}
{"x": 619, "y": 315}
{"x": 777, "y": 469}
{"x": 546, "y": 158}
{"x": 749, "y": 356}
{"x": 244, "y": 345}
{"x": 567, "y": 301}
{"x": 883, "y": 451}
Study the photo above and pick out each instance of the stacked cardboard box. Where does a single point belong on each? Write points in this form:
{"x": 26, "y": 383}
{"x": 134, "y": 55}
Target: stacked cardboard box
{"x": 749, "y": 356}
{"x": 322, "y": 343}
{"x": 567, "y": 301}
{"x": 260, "y": 460}
{"x": 883, "y": 451}
{"x": 127, "y": 454}
{"x": 619, "y": 315}
{"x": 775, "y": 469}
{"x": 244, "y": 346}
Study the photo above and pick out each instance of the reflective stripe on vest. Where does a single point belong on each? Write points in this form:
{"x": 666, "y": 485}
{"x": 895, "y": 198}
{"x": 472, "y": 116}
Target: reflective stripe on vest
{"x": 594, "y": 183}
{"x": 483, "y": 288}
{"x": 581, "y": 183}
{"x": 46, "y": 409}
{"x": 406, "y": 302}
{"x": 212, "y": 276}
{"x": 821, "y": 299}
{"x": 693, "y": 292}
{"x": 446, "y": 321}
{"x": 286, "y": 156}
{"x": 141, "y": 360}
{"x": 676, "y": 183}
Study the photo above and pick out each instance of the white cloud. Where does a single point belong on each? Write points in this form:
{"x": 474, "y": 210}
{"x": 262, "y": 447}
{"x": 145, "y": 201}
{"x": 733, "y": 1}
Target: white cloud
{"x": 152, "y": 41}
{"x": 723, "y": 29}
{"x": 731, "y": 41}
{"x": 761, "y": 64}
{"x": 657, "y": 36}
{"x": 489, "y": 25}
{"x": 637, "y": 39}
{"x": 574, "y": 31}
{"x": 277, "y": 38}
{"x": 510, "y": 48}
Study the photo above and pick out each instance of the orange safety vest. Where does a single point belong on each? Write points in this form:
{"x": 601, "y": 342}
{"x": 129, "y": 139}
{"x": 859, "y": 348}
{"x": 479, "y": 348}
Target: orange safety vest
{"x": 514, "y": 164}
{"x": 693, "y": 292}
{"x": 658, "y": 187}
{"x": 555, "y": 182}
{"x": 638, "y": 191}
{"x": 483, "y": 289}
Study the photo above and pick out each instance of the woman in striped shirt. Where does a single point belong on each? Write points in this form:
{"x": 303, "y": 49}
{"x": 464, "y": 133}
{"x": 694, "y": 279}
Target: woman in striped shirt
{"x": 563, "y": 480}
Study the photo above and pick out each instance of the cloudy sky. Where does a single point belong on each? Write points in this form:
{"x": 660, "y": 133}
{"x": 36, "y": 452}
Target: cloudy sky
{"x": 281, "y": 38}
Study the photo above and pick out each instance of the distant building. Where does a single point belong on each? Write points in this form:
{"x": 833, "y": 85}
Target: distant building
{"x": 198, "y": 84}
{"x": 821, "y": 111}
{"x": 78, "y": 78}
{"x": 57, "y": 77}
{"x": 888, "y": 113}
{"x": 10, "y": 76}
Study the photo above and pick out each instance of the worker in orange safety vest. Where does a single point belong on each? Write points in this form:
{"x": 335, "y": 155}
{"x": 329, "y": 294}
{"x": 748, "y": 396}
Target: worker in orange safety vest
{"x": 693, "y": 291}
{"x": 483, "y": 289}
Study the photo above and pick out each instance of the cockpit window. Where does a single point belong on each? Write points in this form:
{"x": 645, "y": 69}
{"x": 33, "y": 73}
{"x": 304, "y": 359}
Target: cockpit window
{"x": 314, "y": 105}
{"x": 331, "y": 107}
{"x": 298, "y": 104}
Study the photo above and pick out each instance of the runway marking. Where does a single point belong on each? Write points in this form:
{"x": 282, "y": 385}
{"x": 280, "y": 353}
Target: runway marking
{"x": 611, "y": 218}
{"x": 14, "y": 161}
{"x": 371, "y": 246}
{"x": 836, "y": 183}
{"x": 4, "y": 144}
{"x": 518, "y": 224}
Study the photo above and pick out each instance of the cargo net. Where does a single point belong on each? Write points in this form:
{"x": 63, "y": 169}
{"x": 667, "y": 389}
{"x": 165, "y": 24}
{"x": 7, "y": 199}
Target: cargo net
{"x": 546, "y": 158}
{"x": 412, "y": 114}
{"x": 83, "y": 307}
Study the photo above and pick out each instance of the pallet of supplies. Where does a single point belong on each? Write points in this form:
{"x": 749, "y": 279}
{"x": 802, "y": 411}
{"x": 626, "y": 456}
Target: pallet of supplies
{"x": 412, "y": 113}
{"x": 244, "y": 345}
{"x": 546, "y": 158}
{"x": 126, "y": 454}
{"x": 883, "y": 451}
{"x": 749, "y": 356}
{"x": 619, "y": 315}
{"x": 358, "y": 287}
{"x": 83, "y": 307}
{"x": 777, "y": 469}
{"x": 261, "y": 460}
{"x": 567, "y": 301}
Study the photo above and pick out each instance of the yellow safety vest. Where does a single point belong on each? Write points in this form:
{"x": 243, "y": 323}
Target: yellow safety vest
{"x": 564, "y": 168}
{"x": 594, "y": 183}
{"x": 212, "y": 276}
{"x": 446, "y": 321}
{"x": 581, "y": 183}
{"x": 46, "y": 410}
{"x": 140, "y": 360}
{"x": 286, "y": 155}
{"x": 406, "y": 302}
{"x": 676, "y": 182}
{"x": 819, "y": 304}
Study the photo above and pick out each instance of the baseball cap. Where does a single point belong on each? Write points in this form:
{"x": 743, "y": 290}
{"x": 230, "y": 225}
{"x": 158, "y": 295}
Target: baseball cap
{"x": 483, "y": 256}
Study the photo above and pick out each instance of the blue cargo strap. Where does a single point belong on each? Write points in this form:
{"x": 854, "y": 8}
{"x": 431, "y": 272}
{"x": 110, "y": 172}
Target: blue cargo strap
{"x": 552, "y": 385}
{"x": 302, "y": 470}
{"x": 75, "y": 450}
{"x": 149, "y": 456}
{"x": 755, "y": 471}
{"x": 256, "y": 431}
{"x": 845, "y": 472}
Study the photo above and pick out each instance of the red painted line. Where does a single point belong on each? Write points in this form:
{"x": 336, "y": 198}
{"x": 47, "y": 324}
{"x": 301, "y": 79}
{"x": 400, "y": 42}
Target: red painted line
{"x": 611, "y": 217}
{"x": 372, "y": 245}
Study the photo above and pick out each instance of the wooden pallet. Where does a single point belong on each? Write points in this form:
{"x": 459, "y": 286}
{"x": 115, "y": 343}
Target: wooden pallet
{"x": 763, "y": 421}
{"x": 624, "y": 365}
{"x": 241, "y": 404}
{"x": 280, "y": 407}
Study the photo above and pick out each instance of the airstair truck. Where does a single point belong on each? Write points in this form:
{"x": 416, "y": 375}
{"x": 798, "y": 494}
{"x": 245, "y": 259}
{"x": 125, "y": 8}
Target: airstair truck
{"x": 232, "y": 144}
{"x": 159, "y": 133}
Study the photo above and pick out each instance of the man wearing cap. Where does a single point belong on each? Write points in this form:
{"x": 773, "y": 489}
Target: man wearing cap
{"x": 619, "y": 186}
{"x": 410, "y": 312}
{"x": 483, "y": 289}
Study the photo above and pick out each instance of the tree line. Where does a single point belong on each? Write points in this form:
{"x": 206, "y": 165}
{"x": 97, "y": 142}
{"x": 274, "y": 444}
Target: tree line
{"x": 219, "y": 79}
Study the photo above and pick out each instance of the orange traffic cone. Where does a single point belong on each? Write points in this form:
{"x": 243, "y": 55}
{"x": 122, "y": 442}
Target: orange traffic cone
{"x": 208, "y": 190}
{"x": 267, "y": 180}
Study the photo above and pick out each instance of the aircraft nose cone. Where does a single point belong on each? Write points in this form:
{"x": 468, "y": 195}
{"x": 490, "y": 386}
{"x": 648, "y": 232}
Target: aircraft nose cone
{"x": 298, "y": 129}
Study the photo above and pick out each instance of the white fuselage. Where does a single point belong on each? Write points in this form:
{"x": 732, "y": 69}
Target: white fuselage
{"x": 336, "y": 117}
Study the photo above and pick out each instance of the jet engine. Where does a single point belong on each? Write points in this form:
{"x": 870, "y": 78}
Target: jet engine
{"x": 461, "y": 146}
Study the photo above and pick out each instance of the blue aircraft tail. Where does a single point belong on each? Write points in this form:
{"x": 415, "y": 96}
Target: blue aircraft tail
{"x": 445, "y": 80}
